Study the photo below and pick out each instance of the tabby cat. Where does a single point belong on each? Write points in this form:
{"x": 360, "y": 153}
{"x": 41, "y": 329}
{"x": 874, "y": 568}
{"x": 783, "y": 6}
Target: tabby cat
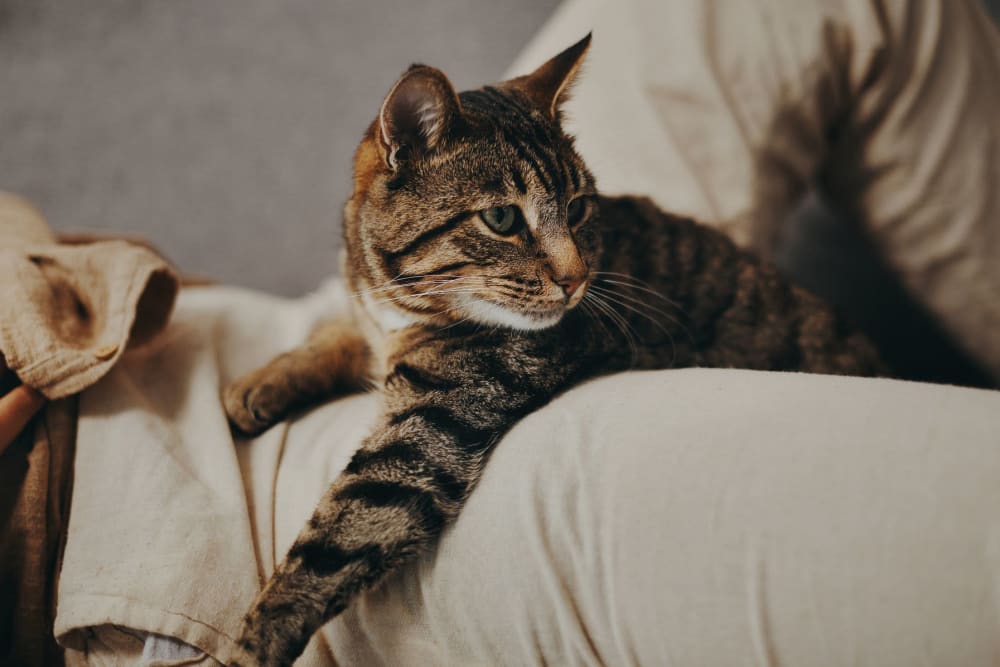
{"x": 489, "y": 276}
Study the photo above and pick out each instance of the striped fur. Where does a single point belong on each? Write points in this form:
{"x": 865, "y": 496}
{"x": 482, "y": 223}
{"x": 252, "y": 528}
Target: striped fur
{"x": 466, "y": 330}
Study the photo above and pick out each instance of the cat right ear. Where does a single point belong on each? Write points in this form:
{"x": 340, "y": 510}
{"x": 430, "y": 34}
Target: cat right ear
{"x": 548, "y": 86}
{"x": 417, "y": 114}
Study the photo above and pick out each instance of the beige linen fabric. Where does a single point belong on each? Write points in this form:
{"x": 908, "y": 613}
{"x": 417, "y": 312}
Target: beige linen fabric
{"x": 727, "y": 110}
{"x": 171, "y": 530}
{"x": 689, "y": 517}
{"x": 66, "y": 315}
{"x": 68, "y": 312}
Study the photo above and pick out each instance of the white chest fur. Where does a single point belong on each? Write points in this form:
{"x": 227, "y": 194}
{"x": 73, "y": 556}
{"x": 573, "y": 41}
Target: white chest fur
{"x": 378, "y": 321}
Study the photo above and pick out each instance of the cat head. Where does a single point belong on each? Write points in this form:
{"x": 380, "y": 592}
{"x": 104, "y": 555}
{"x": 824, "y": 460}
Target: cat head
{"x": 476, "y": 205}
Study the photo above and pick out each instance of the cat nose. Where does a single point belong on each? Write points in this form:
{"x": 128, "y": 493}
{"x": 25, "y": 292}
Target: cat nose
{"x": 570, "y": 284}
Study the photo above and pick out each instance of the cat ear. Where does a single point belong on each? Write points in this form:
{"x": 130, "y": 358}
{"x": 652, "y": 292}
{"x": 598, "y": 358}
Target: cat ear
{"x": 417, "y": 113}
{"x": 548, "y": 86}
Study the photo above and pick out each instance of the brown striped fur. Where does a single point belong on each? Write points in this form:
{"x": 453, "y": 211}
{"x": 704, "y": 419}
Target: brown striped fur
{"x": 466, "y": 330}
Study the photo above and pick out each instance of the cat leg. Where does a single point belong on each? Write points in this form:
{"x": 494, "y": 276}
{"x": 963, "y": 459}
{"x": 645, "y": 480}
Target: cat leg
{"x": 400, "y": 490}
{"x": 335, "y": 359}
{"x": 408, "y": 480}
{"x": 363, "y": 529}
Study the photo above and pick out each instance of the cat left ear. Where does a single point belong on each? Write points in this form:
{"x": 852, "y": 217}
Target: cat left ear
{"x": 548, "y": 86}
{"x": 416, "y": 114}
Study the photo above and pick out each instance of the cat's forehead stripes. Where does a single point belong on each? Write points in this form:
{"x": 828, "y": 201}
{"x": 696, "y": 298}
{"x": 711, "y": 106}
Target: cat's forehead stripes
{"x": 528, "y": 134}
{"x": 515, "y": 177}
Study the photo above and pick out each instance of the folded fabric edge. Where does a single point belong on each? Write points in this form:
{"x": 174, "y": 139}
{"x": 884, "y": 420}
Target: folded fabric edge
{"x": 147, "y": 304}
{"x": 72, "y": 627}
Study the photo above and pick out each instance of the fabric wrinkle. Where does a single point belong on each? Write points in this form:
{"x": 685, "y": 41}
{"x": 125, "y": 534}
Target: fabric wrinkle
{"x": 759, "y": 618}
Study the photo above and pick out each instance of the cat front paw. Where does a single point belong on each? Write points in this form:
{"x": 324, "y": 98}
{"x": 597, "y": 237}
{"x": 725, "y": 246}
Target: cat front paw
{"x": 267, "y": 642}
{"x": 253, "y": 408}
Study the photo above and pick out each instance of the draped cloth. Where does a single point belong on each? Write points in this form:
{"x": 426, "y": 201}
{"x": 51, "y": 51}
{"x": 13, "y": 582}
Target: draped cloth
{"x": 67, "y": 314}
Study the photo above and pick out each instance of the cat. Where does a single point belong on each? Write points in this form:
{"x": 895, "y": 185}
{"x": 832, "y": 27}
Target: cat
{"x": 489, "y": 275}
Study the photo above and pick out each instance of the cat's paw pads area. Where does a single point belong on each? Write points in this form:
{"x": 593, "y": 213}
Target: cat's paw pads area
{"x": 253, "y": 408}
{"x": 245, "y": 656}
{"x": 259, "y": 647}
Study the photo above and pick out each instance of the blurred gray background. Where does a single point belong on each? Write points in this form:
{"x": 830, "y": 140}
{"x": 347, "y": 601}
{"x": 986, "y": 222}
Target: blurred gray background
{"x": 222, "y": 130}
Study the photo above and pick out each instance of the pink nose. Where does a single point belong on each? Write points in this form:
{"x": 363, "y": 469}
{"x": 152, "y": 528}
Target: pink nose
{"x": 570, "y": 285}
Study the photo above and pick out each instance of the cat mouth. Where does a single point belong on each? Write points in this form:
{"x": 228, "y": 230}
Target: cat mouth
{"x": 486, "y": 311}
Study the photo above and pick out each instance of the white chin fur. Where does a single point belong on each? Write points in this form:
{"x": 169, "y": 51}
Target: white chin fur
{"x": 485, "y": 312}
{"x": 386, "y": 317}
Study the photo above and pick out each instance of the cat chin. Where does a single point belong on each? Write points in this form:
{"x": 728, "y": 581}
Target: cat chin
{"x": 485, "y": 312}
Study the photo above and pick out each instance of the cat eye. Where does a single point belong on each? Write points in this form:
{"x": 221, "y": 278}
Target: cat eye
{"x": 504, "y": 220}
{"x": 577, "y": 210}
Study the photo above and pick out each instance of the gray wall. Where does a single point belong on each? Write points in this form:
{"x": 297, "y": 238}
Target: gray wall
{"x": 222, "y": 129}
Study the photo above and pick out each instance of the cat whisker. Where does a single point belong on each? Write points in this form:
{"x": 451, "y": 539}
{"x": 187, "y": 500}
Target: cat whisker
{"x": 383, "y": 290}
{"x": 423, "y": 280}
{"x": 434, "y": 292}
{"x": 644, "y": 304}
{"x": 417, "y": 295}
{"x": 636, "y": 284}
{"x": 619, "y": 321}
{"x": 637, "y": 301}
{"x": 459, "y": 281}
{"x": 447, "y": 310}
{"x": 623, "y": 324}
{"x": 611, "y": 302}
{"x": 631, "y": 303}
{"x": 453, "y": 324}
{"x": 591, "y": 312}
{"x": 678, "y": 319}
{"x": 611, "y": 296}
